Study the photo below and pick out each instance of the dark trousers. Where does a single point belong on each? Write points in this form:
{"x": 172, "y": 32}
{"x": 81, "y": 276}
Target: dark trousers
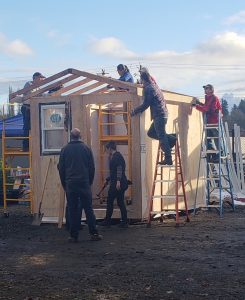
{"x": 119, "y": 195}
{"x": 212, "y": 143}
{"x": 25, "y": 109}
{"x": 25, "y": 142}
{"x": 157, "y": 131}
{"x": 79, "y": 198}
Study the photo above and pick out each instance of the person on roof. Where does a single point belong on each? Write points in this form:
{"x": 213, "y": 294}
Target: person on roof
{"x": 211, "y": 107}
{"x": 124, "y": 73}
{"x": 125, "y": 76}
{"x": 25, "y": 110}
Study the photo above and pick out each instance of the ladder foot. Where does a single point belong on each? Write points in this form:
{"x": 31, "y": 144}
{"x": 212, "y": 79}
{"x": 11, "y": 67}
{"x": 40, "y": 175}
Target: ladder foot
{"x": 188, "y": 220}
{"x": 177, "y": 225}
{"x": 6, "y": 215}
{"x": 161, "y": 219}
{"x": 148, "y": 225}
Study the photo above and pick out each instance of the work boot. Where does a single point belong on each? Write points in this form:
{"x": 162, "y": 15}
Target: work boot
{"x": 96, "y": 237}
{"x": 105, "y": 223}
{"x": 167, "y": 161}
{"x": 123, "y": 225}
{"x": 72, "y": 239}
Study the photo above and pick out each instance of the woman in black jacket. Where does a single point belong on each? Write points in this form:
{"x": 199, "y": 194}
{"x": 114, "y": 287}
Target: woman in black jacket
{"x": 118, "y": 185}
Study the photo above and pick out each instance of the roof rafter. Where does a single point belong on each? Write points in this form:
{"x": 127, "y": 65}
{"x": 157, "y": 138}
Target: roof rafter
{"x": 88, "y": 83}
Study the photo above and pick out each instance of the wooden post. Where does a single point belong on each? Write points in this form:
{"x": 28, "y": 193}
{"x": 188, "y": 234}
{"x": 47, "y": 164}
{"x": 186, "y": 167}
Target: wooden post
{"x": 61, "y": 207}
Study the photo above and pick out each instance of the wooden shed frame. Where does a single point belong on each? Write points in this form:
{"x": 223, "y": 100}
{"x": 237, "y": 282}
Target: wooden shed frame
{"x": 80, "y": 90}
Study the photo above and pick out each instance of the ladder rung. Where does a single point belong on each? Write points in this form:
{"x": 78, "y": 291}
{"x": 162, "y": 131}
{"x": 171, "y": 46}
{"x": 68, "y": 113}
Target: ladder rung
{"x": 212, "y": 151}
{"x": 173, "y": 180}
{"x": 165, "y": 166}
{"x": 163, "y": 211}
{"x": 21, "y": 169}
{"x": 16, "y": 137}
{"x": 19, "y": 199}
{"x": 166, "y": 196}
{"x": 16, "y": 153}
{"x": 17, "y": 184}
{"x": 211, "y": 127}
{"x": 222, "y": 188}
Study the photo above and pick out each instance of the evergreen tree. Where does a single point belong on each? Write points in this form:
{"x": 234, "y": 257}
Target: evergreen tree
{"x": 241, "y": 105}
{"x": 237, "y": 116}
{"x": 225, "y": 106}
{"x": 225, "y": 110}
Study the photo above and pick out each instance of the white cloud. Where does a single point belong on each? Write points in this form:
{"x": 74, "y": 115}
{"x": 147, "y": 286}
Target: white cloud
{"x": 14, "y": 48}
{"x": 226, "y": 43}
{"x": 111, "y": 46}
{"x": 219, "y": 60}
{"x": 238, "y": 18}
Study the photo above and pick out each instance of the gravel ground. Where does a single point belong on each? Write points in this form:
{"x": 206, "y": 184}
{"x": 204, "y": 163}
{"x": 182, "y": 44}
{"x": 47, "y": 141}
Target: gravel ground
{"x": 204, "y": 259}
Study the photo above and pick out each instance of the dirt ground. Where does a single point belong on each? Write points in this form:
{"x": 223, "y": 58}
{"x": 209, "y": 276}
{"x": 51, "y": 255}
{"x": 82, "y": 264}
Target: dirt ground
{"x": 205, "y": 259}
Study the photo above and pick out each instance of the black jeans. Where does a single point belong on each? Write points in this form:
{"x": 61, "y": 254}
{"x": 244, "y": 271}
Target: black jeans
{"x": 112, "y": 194}
{"x": 79, "y": 198}
{"x": 25, "y": 142}
{"x": 157, "y": 131}
{"x": 25, "y": 109}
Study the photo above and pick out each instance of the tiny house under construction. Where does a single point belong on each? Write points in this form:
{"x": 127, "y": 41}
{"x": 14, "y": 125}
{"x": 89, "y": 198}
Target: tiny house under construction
{"x": 85, "y": 102}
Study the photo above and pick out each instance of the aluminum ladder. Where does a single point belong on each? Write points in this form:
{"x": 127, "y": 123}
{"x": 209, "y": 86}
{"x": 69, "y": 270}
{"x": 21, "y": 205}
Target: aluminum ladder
{"x": 217, "y": 168}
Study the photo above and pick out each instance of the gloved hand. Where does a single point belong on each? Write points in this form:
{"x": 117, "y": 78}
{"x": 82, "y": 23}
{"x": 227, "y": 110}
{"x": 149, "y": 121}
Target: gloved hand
{"x": 194, "y": 102}
{"x": 132, "y": 113}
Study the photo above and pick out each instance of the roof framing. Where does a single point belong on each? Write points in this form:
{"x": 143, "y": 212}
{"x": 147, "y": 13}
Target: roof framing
{"x": 74, "y": 82}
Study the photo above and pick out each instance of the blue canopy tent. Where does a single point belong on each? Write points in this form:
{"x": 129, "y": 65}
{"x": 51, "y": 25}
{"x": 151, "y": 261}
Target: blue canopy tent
{"x": 13, "y": 126}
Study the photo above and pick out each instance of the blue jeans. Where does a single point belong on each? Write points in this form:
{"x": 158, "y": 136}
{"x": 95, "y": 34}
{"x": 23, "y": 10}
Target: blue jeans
{"x": 157, "y": 131}
{"x": 79, "y": 197}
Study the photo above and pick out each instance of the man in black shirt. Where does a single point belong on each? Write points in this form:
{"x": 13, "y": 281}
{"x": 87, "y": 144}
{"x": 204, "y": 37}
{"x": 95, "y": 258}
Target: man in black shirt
{"x": 25, "y": 110}
{"x": 118, "y": 185}
{"x": 76, "y": 170}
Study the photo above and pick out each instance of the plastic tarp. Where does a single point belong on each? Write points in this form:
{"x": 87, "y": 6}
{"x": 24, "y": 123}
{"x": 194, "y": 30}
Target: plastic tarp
{"x": 13, "y": 126}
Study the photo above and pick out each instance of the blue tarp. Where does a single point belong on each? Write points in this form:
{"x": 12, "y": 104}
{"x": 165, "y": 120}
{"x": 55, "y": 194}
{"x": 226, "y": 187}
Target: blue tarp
{"x": 13, "y": 126}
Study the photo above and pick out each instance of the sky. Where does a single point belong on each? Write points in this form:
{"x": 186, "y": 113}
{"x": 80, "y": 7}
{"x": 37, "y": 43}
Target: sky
{"x": 184, "y": 44}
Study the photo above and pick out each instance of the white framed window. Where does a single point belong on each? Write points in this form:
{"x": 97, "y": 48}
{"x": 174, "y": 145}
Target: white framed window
{"x": 52, "y": 127}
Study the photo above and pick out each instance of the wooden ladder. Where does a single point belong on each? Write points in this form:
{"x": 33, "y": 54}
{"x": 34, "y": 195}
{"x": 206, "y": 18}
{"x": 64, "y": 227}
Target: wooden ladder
{"x": 159, "y": 181}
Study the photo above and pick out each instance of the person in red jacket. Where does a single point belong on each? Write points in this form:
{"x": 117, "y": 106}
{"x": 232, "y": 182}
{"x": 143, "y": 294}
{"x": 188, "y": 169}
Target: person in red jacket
{"x": 212, "y": 107}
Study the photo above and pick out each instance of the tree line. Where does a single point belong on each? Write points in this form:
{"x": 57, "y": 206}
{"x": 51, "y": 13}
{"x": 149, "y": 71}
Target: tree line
{"x": 236, "y": 115}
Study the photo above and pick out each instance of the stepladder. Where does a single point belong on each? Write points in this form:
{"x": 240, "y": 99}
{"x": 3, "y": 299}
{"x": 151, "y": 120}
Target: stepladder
{"x": 168, "y": 196}
{"x": 215, "y": 161}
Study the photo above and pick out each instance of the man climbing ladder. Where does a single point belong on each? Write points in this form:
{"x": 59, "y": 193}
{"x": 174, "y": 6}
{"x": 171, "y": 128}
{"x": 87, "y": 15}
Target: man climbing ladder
{"x": 153, "y": 98}
{"x": 211, "y": 109}
{"x": 214, "y": 153}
